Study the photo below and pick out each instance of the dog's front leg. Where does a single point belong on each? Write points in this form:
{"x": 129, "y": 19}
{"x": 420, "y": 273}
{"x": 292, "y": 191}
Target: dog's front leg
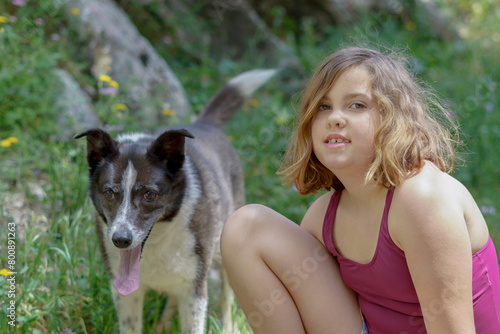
{"x": 192, "y": 312}
{"x": 129, "y": 310}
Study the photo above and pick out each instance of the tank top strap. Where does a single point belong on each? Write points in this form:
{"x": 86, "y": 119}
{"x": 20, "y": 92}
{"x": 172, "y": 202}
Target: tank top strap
{"x": 384, "y": 235}
{"x": 388, "y": 201}
{"x": 329, "y": 221}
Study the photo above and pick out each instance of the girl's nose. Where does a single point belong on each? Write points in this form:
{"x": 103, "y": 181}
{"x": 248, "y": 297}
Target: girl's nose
{"x": 336, "y": 119}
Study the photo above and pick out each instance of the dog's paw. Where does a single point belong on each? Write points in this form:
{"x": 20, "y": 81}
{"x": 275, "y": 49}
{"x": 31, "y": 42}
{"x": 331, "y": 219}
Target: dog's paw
{"x": 165, "y": 323}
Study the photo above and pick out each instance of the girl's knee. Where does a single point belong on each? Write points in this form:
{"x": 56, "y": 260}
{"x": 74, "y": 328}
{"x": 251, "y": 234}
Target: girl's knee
{"x": 241, "y": 227}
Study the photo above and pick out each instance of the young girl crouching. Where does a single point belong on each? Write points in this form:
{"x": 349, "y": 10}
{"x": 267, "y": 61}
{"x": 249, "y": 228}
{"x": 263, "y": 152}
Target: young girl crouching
{"x": 396, "y": 245}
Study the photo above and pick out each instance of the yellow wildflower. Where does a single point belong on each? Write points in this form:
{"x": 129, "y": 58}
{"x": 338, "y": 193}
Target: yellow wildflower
{"x": 75, "y": 11}
{"x": 9, "y": 141}
{"x": 254, "y": 102}
{"x": 410, "y": 25}
{"x": 230, "y": 138}
{"x": 6, "y": 272}
{"x": 4, "y": 19}
{"x": 120, "y": 106}
{"x": 104, "y": 77}
{"x": 168, "y": 112}
{"x": 114, "y": 84}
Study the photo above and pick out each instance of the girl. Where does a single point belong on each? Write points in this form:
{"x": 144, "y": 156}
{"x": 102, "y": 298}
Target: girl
{"x": 411, "y": 250}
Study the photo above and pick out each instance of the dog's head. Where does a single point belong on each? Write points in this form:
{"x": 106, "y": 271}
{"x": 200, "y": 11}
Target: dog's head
{"x": 135, "y": 181}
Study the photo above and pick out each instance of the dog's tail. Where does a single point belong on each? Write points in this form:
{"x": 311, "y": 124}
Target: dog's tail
{"x": 224, "y": 104}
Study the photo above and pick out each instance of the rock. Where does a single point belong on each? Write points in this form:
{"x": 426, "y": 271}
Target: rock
{"x": 16, "y": 209}
{"x": 118, "y": 50}
{"x": 226, "y": 28}
{"x": 75, "y": 108}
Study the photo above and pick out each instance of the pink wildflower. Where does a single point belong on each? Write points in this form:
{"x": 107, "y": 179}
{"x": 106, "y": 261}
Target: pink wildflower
{"x": 167, "y": 40}
{"x": 19, "y": 3}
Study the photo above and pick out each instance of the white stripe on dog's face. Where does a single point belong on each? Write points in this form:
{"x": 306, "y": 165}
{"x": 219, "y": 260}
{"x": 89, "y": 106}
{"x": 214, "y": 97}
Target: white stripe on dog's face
{"x": 122, "y": 220}
{"x": 128, "y": 182}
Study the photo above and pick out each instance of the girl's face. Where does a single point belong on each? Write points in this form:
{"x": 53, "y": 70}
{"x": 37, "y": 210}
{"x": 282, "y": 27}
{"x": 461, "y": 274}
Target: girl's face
{"x": 344, "y": 126}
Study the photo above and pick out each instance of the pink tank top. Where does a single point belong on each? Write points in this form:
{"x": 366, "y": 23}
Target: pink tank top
{"x": 386, "y": 294}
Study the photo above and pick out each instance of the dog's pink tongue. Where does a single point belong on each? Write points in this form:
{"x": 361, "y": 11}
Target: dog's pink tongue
{"x": 128, "y": 278}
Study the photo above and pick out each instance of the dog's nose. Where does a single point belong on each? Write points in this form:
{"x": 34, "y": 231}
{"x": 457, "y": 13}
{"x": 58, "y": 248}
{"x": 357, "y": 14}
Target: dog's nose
{"x": 122, "y": 239}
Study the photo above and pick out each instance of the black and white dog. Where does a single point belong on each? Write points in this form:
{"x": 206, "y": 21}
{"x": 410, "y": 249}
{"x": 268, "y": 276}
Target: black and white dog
{"x": 161, "y": 202}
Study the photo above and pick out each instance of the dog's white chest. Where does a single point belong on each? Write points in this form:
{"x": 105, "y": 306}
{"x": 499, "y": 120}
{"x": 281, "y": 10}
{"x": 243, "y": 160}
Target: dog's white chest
{"x": 168, "y": 259}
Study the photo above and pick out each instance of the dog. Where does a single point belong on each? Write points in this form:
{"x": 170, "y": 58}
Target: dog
{"x": 161, "y": 202}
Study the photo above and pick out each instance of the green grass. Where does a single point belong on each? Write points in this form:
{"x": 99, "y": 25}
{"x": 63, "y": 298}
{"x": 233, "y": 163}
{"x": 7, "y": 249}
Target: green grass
{"x": 61, "y": 281}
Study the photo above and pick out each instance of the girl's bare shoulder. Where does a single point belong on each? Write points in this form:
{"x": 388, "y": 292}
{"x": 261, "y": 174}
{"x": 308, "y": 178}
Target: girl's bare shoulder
{"x": 433, "y": 204}
{"x": 432, "y": 187}
{"x": 315, "y": 215}
{"x": 430, "y": 202}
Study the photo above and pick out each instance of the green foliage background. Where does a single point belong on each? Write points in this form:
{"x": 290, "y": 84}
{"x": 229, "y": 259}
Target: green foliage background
{"x": 61, "y": 282}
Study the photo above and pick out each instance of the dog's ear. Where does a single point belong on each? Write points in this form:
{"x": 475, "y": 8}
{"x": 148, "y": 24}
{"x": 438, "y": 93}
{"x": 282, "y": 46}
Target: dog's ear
{"x": 100, "y": 146}
{"x": 168, "y": 149}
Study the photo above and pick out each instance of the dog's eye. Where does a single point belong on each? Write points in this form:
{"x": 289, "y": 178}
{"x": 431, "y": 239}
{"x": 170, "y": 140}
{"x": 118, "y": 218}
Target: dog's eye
{"x": 150, "y": 196}
{"x": 110, "y": 194}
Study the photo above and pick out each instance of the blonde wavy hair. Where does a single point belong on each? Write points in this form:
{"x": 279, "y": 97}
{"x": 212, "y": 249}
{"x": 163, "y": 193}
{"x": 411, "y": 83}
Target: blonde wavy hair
{"x": 415, "y": 126}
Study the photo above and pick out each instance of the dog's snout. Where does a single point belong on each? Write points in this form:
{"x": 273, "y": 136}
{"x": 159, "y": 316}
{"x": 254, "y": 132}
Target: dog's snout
{"x": 122, "y": 239}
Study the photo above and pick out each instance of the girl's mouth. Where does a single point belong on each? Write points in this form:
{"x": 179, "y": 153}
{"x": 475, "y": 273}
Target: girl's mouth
{"x": 337, "y": 141}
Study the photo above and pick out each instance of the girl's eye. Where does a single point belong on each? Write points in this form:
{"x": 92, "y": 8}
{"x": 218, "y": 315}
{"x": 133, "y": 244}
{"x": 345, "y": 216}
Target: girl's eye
{"x": 358, "y": 105}
{"x": 323, "y": 107}
{"x": 110, "y": 194}
{"x": 150, "y": 196}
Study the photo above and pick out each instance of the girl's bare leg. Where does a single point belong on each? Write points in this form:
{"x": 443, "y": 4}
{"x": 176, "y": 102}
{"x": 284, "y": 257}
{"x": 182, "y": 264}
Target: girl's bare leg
{"x": 283, "y": 278}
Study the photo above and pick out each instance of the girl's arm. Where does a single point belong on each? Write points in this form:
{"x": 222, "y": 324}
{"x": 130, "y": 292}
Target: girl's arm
{"x": 315, "y": 215}
{"x": 428, "y": 224}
